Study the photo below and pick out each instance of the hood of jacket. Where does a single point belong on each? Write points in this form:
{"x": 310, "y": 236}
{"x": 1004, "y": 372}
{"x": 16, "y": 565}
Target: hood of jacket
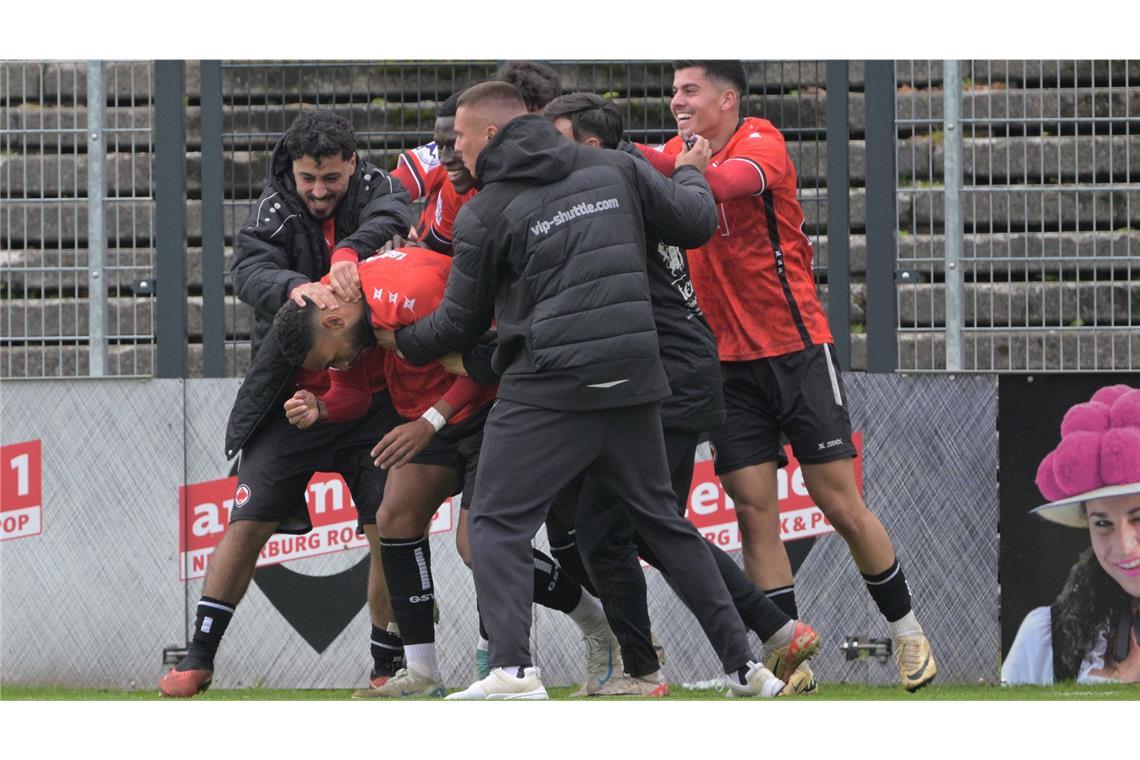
{"x": 526, "y": 149}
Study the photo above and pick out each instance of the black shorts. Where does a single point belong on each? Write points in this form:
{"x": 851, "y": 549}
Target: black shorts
{"x": 799, "y": 395}
{"x": 278, "y": 462}
{"x": 458, "y": 446}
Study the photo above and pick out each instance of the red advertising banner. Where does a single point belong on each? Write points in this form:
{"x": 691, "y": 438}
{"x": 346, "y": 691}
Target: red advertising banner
{"x": 204, "y": 513}
{"x": 21, "y": 490}
{"x": 711, "y": 508}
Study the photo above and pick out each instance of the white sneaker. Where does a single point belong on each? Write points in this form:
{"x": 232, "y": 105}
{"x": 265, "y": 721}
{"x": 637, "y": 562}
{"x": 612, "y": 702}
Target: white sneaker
{"x": 603, "y": 660}
{"x": 759, "y": 682}
{"x": 406, "y": 683}
{"x": 502, "y": 685}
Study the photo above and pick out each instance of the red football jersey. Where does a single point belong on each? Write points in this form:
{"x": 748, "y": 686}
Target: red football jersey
{"x": 420, "y": 171}
{"x": 400, "y": 287}
{"x": 447, "y": 207}
{"x": 754, "y": 278}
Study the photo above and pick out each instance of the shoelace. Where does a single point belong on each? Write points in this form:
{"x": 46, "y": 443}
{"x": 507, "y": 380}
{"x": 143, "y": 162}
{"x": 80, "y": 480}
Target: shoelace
{"x": 909, "y": 657}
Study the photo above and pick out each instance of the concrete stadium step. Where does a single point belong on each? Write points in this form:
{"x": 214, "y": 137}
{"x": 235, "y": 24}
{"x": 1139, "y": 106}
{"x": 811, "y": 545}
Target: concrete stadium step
{"x": 1004, "y": 208}
{"x": 128, "y": 175}
{"x": 1019, "y": 74}
{"x": 1037, "y": 160}
{"x": 996, "y": 256}
{"x": 67, "y": 81}
{"x": 56, "y": 320}
{"x": 1024, "y": 350}
{"x": 63, "y": 222}
{"x": 1051, "y": 160}
{"x": 137, "y": 361}
{"x": 1035, "y": 304}
{"x": 52, "y": 271}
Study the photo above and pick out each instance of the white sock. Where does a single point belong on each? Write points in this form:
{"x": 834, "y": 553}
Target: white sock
{"x": 907, "y": 625}
{"x": 483, "y": 645}
{"x": 514, "y": 670}
{"x": 589, "y": 614}
{"x": 782, "y": 637}
{"x": 655, "y": 677}
{"x": 421, "y": 658}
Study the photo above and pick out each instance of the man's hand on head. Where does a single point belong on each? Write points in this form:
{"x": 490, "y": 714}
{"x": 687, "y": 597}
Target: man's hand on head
{"x": 319, "y": 293}
{"x": 401, "y": 242}
{"x": 345, "y": 280}
{"x": 697, "y": 153}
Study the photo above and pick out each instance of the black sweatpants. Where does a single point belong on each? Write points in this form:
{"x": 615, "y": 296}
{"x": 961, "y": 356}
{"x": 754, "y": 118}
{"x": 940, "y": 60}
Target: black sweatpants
{"x": 609, "y": 545}
{"x": 529, "y": 454}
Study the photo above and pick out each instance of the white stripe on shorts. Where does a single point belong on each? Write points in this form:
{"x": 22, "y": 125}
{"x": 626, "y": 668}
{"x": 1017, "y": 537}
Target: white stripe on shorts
{"x": 834, "y": 377}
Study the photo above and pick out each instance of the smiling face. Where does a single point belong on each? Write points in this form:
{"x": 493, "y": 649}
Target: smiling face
{"x": 322, "y": 182}
{"x": 704, "y": 106}
{"x": 445, "y": 143}
{"x": 1114, "y": 529}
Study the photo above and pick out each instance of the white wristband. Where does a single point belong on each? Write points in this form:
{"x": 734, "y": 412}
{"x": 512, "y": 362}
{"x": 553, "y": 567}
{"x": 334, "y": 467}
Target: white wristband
{"x": 436, "y": 419}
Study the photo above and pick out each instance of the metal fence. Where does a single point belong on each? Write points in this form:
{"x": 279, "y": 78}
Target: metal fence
{"x": 77, "y": 216}
{"x": 392, "y": 106}
{"x": 984, "y": 226}
{"x": 1018, "y": 215}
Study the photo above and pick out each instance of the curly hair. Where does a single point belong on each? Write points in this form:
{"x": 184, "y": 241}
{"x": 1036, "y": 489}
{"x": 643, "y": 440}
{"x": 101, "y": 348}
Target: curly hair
{"x": 537, "y": 82}
{"x": 293, "y": 329}
{"x": 320, "y": 134}
{"x": 1088, "y": 603}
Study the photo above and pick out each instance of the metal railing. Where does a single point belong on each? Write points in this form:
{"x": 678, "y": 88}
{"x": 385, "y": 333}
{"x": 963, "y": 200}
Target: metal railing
{"x": 76, "y": 219}
{"x": 987, "y": 226}
{"x": 1019, "y": 215}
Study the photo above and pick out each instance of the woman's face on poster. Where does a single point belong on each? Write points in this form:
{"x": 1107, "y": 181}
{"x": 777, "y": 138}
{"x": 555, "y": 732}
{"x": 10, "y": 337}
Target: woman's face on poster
{"x": 1114, "y": 529}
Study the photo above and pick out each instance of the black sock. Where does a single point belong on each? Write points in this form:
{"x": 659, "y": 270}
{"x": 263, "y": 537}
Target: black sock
{"x": 785, "y": 599}
{"x": 571, "y": 562}
{"x": 407, "y": 568}
{"x": 552, "y": 587}
{"x": 387, "y": 650}
{"x": 890, "y": 592}
{"x": 214, "y": 617}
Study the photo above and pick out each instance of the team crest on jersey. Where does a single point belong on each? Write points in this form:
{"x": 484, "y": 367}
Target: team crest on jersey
{"x": 427, "y": 155}
{"x": 241, "y": 496}
{"x": 674, "y": 261}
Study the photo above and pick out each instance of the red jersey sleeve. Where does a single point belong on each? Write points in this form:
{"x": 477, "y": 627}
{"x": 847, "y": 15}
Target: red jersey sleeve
{"x": 755, "y": 159}
{"x": 413, "y": 167}
{"x": 343, "y": 254}
{"x": 462, "y": 392}
{"x": 348, "y": 395}
{"x": 446, "y": 209}
{"x": 350, "y": 391}
{"x": 657, "y": 157}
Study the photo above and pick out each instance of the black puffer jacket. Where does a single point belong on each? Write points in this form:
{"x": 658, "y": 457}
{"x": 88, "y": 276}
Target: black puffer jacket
{"x": 553, "y": 247}
{"x": 280, "y": 246}
{"x": 267, "y": 384}
{"x": 688, "y": 348}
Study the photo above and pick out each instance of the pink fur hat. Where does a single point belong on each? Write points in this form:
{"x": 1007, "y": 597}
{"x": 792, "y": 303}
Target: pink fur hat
{"x": 1098, "y": 456}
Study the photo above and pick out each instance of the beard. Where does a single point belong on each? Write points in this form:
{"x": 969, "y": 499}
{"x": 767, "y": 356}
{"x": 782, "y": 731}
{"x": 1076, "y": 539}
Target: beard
{"x": 362, "y": 337}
